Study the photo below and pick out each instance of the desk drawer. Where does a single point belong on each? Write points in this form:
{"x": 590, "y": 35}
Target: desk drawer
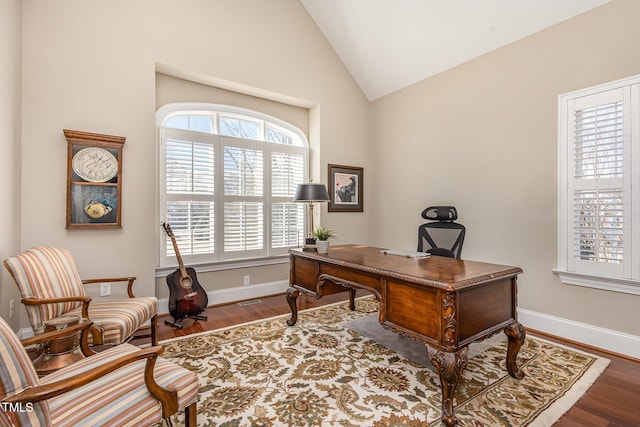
{"x": 305, "y": 273}
{"x": 363, "y": 279}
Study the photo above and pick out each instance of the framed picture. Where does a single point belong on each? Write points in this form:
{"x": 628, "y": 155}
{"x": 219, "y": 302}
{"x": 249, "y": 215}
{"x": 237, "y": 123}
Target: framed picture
{"x": 345, "y": 188}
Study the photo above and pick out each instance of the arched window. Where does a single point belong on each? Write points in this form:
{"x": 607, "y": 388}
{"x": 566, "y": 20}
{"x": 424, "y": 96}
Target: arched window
{"x": 227, "y": 180}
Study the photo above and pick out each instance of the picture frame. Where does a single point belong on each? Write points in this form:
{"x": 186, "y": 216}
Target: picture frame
{"x": 345, "y": 188}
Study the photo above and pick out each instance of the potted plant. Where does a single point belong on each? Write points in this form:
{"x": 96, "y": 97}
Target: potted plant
{"x": 322, "y": 235}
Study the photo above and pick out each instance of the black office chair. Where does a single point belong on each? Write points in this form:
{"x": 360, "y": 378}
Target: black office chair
{"x": 442, "y": 236}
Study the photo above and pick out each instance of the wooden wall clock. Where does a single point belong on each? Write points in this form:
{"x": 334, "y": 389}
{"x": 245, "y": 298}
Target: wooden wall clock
{"x": 94, "y": 180}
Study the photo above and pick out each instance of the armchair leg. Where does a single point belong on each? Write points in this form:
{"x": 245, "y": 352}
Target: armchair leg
{"x": 96, "y": 335}
{"x": 190, "y": 415}
{"x": 154, "y": 330}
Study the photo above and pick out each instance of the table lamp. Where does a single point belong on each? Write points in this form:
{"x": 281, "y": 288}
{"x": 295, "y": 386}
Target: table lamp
{"x": 310, "y": 193}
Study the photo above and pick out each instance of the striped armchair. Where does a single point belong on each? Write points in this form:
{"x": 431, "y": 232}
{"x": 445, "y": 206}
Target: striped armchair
{"x": 120, "y": 386}
{"x": 51, "y": 287}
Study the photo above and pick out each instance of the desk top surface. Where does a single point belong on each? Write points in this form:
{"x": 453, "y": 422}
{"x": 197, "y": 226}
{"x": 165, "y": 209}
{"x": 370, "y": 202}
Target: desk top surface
{"x": 442, "y": 272}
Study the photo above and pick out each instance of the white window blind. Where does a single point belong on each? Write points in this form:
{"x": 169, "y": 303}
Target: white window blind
{"x": 243, "y": 206}
{"x": 598, "y": 230}
{"x": 192, "y": 224}
{"x": 190, "y": 167}
{"x": 227, "y": 184}
{"x": 189, "y": 178}
{"x": 287, "y": 224}
{"x": 243, "y": 172}
{"x": 598, "y": 210}
{"x": 243, "y": 226}
{"x": 287, "y": 218}
{"x": 286, "y": 170}
{"x": 599, "y": 141}
{"x": 598, "y": 233}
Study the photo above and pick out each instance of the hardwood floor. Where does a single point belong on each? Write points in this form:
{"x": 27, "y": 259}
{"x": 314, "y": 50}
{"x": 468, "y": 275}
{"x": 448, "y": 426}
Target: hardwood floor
{"x": 613, "y": 400}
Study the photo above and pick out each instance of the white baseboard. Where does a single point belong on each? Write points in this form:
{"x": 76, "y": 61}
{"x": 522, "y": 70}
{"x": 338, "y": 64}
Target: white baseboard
{"x": 235, "y": 294}
{"x": 607, "y": 339}
{"x": 25, "y": 333}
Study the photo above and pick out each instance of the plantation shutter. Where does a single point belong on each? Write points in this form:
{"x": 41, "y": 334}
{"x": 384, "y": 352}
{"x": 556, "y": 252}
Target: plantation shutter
{"x": 287, "y": 169}
{"x": 226, "y": 184}
{"x": 243, "y": 201}
{"x": 598, "y": 191}
{"x": 189, "y": 182}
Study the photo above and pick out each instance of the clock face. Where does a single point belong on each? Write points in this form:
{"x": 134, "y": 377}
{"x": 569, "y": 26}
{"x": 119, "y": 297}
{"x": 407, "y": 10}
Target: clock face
{"x": 95, "y": 164}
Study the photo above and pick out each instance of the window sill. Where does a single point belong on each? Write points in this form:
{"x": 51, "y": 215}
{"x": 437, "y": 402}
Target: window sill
{"x": 605, "y": 283}
{"x": 227, "y": 265}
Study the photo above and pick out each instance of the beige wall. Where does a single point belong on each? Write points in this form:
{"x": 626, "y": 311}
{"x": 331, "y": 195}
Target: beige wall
{"x": 91, "y": 66}
{"x": 10, "y": 67}
{"x": 483, "y": 137}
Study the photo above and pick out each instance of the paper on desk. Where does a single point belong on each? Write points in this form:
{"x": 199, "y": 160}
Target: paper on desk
{"x": 408, "y": 254}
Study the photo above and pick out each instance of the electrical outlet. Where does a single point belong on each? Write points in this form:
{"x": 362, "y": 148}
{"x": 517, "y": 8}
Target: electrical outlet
{"x": 12, "y": 308}
{"x": 247, "y": 280}
{"x": 105, "y": 289}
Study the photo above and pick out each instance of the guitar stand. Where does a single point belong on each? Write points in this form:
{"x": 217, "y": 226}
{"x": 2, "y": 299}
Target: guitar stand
{"x": 176, "y": 323}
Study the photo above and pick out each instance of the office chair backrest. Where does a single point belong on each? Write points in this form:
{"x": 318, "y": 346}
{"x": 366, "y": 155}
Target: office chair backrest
{"x": 442, "y": 236}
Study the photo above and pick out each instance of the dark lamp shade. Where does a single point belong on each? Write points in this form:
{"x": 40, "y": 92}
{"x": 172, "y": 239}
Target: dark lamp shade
{"x": 311, "y": 192}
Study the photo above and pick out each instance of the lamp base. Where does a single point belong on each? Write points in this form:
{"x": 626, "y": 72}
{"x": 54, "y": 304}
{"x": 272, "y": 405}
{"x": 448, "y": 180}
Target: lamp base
{"x": 310, "y": 245}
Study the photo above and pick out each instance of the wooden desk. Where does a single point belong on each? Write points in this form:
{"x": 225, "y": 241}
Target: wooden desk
{"x": 444, "y": 302}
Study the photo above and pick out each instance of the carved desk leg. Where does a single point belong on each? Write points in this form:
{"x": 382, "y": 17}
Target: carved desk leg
{"x": 516, "y": 334}
{"x": 292, "y": 296}
{"x": 450, "y": 367}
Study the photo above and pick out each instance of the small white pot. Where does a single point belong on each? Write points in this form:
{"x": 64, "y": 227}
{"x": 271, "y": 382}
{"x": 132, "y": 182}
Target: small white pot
{"x": 323, "y": 246}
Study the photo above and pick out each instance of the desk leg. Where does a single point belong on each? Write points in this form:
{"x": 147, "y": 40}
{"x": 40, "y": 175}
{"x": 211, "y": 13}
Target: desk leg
{"x": 352, "y": 299}
{"x": 292, "y": 296}
{"x": 516, "y": 335}
{"x": 450, "y": 367}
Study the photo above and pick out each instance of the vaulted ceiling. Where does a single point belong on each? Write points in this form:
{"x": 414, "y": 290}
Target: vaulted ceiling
{"x": 390, "y": 44}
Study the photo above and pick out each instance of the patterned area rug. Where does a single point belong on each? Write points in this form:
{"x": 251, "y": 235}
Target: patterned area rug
{"x": 321, "y": 373}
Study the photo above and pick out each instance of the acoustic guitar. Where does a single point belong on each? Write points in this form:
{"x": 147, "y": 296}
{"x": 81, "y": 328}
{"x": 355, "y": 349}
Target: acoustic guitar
{"x": 186, "y": 297}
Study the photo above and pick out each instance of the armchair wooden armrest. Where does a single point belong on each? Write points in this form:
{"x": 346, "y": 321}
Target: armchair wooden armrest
{"x": 129, "y": 281}
{"x": 61, "y": 333}
{"x": 168, "y": 398}
{"x": 36, "y": 301}
{"x": 85, "y": 300}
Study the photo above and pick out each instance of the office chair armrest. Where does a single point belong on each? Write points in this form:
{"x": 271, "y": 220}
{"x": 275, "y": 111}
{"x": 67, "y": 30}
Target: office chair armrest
{"x": 129, "y": 281}
{"x": 47, "y": 391}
